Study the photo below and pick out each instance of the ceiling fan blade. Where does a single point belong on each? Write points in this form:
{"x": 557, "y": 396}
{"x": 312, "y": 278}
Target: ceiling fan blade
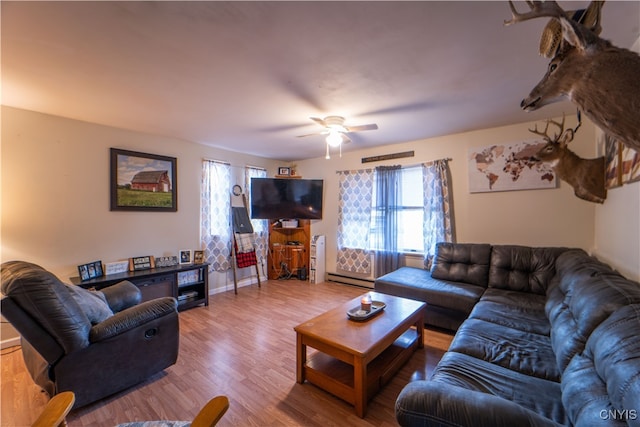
{"x": 322, "y": 132}
{"x": 318, "y": 121}
{"x": 360, "y": 128}
{"x": 345, "y": 138}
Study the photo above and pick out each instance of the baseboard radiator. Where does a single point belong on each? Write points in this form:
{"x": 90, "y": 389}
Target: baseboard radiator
{"x": 348, "y": 280}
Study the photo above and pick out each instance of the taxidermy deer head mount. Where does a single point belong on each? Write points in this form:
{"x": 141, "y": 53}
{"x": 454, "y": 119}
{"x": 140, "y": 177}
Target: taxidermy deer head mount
{"x": 600, "y": 79}
{"x": 586, "y": 176}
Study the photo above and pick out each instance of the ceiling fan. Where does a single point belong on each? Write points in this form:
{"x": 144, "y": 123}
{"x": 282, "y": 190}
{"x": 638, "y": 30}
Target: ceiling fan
{"x": 336, "y": 131}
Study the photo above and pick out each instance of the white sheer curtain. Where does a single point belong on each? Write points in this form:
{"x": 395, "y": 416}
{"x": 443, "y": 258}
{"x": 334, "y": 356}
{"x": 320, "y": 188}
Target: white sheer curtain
{"x": 215, "y": 208}
{"x": 438, "y": 207}
{"x": 260, "y": 226}
{"x": 354, "y": 221}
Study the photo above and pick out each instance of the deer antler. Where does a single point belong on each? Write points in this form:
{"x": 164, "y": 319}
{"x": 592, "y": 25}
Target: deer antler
{"x": 537, "y": 9}
{"x": 562, "y": 137}
{"x": 544, "y": 133}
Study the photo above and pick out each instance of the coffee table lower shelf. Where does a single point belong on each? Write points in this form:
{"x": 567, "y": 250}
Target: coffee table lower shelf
{"x": 336, "y": 376}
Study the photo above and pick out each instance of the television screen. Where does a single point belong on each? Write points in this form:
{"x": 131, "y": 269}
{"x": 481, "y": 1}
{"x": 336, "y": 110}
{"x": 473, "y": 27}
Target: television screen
{"x": 281, "y": 198}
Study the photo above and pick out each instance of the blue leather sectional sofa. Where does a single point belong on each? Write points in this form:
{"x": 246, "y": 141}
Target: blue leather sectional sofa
{"x": 545, "y": 337}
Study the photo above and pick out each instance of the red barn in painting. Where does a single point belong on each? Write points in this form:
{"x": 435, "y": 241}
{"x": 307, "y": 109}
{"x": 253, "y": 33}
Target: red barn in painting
{"x": 156, "y": 181}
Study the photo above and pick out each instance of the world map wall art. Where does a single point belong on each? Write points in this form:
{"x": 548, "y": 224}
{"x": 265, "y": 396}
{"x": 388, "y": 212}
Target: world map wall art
{"x": 509, "y": 167}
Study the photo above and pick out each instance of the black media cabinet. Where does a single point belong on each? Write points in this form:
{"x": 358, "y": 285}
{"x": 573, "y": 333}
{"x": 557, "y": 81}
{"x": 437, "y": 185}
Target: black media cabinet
{"x": 188, "y": 283}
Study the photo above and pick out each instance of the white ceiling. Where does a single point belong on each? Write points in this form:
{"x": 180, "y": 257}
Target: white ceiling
{"x": 246, "y": 76}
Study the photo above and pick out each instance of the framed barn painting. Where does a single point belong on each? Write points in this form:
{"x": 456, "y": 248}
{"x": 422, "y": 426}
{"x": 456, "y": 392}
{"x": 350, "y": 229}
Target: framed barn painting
{"x": 143, "y": 182}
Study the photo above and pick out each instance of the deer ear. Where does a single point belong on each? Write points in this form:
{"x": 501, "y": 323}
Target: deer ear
{"x": 566, "y": 137}
{"x": 572, "y": 34}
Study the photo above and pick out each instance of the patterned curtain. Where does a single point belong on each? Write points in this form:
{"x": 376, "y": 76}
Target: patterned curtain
{"x": 388, "y": 199}
{"x": 354, "y": 220}
{"x": 438, "y": 207}
{"x": 215, "y": 208}
{"x": 260, "y": 226}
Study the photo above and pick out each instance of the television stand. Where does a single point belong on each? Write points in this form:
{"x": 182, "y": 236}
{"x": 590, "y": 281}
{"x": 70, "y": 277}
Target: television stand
{"x": 288, "y": 249}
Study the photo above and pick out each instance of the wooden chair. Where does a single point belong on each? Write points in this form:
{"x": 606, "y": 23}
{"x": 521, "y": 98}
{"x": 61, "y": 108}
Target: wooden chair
{"x": 208, "y": 416}
{"x": 59, "y": 406}
{"x": 212, "y": 412}
{"x": 56, "y": 410}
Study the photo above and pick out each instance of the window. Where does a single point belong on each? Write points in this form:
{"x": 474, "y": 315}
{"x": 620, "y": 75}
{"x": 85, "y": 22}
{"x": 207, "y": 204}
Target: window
{"x": 424, "y": 208}
{"x": 410, "y": 211}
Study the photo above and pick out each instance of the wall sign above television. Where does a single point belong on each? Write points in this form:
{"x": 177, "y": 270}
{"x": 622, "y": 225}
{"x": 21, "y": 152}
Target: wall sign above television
{"x": 276, "y": 198}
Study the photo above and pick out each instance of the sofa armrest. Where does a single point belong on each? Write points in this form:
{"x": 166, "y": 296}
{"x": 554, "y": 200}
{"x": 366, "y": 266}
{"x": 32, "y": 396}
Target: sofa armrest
{"x": 122, "y": 295}
{"x": 133, "y": 317}
{"x": 428, "y": 403}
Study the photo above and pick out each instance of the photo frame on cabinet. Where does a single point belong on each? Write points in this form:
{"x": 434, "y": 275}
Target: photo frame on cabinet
{"x": 143, "y": 182}
{"x": 185, "y": 256}
{"x": 90, "y": 271}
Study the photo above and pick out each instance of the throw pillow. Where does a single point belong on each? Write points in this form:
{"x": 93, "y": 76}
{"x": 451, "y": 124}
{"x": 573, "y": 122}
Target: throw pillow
{"x": 93, "y": 303}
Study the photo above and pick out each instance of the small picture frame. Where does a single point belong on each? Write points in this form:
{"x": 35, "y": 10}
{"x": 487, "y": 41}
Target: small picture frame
{"x": 166, "y": 261}
{"x": 198, "y": 257}
{"x": 91, "y": 270}
{"x": 284, "y": 171}
{"x": 185, "y": 256}
{"x": 116, "y": 267}
{"x": 141, "y": 263}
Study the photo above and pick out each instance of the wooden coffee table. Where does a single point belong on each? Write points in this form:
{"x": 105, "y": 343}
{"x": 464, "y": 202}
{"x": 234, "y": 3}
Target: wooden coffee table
{"x": 355, "y": 359}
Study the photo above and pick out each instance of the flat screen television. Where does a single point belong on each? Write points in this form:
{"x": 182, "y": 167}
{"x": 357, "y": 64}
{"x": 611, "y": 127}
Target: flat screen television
{"x": 282, "y": 198}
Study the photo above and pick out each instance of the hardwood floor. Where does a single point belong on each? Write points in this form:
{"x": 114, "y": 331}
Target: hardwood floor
{"x": 242, "y": 346}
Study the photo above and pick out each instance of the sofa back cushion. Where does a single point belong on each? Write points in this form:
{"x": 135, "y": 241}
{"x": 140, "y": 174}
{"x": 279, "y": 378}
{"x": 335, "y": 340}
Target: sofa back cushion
{"x": 48, "y": 301}
{"x": 601, "y": 386}
{"x": 522, "y": 268}
{"x": 462, "y": 262}
{"x": 584, "y": 293}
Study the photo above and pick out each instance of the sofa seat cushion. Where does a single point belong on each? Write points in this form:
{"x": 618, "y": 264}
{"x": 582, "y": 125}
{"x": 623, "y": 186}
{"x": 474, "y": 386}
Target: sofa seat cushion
{"x": 523, "y": 352}
{"x": 462, "y": 262}
{"x": 475, "y": 375}
{"x": 517, "y": 310}
{"x": 416, "y": 283}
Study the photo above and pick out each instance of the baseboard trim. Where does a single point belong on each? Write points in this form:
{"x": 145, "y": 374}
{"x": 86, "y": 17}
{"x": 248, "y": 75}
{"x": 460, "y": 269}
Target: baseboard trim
{"x": 247, "y": 281}
{"x": 348, "y": 280}
{"x": 9, "y": 342}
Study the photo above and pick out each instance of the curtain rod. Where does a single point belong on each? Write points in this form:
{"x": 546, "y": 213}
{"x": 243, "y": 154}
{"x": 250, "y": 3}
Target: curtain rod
{"x": 216, "y": 161}
{"x": 228, "y": 163}
{"x": 448, "y": 159}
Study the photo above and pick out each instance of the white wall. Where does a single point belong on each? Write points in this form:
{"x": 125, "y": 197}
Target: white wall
{"x": 553, "y": 217}
{"x": 617, "y": 225}
{"x": 55, "y": 194}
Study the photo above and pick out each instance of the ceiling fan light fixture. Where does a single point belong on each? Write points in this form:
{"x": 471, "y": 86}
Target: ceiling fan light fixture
{"x": 334, "y": 138}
